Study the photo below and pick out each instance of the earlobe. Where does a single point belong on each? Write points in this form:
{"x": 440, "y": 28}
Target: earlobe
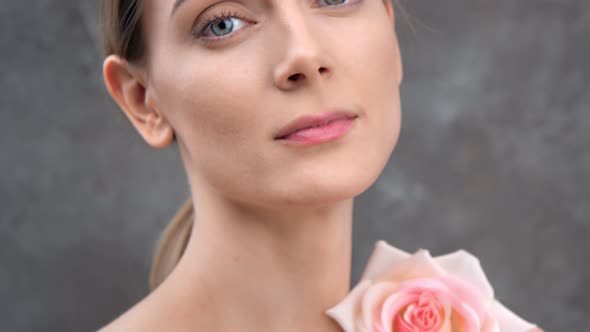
{"x": 127, "y": 87}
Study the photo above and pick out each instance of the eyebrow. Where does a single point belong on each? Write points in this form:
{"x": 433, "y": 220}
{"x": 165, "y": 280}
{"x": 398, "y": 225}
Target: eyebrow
{"x": 177, "y": 5}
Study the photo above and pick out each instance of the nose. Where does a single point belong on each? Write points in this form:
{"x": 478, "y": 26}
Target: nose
{"x": 302, "y": 61}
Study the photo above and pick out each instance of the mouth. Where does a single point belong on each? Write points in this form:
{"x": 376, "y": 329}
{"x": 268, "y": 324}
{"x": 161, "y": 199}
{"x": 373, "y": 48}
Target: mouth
{"x": 317, "y": 128}
{"x": 311, "y": 121}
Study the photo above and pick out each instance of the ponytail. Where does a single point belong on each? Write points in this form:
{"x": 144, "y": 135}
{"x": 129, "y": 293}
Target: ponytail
{"x": 172, "y": 244}
{"x": 120, "y": 25}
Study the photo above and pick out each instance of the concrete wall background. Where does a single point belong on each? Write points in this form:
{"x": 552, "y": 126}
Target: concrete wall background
{"x": 493, "y": 157}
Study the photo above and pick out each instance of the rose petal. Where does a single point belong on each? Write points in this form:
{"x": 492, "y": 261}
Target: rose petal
{"x": 509, "y": 321}
{"x": 392, "y": 307}
{"x": 469, "y": 295}
{"x": 464, "y": 301}
{"x": 345, "y": 312}
{"x": 491, "y": 324}
{"x": 467, "y": 267}
{"x": 446, "y": 327}
{"x": 373, "y": 299}
{"x": 418, "y": 265}
{"x": 383, "y": 258}
{"x": 468, "y": 312}
{"x": 402, "y": 326}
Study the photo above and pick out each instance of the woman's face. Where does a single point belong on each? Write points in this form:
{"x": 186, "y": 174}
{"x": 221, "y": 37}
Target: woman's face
{"x": 227, "y": 88}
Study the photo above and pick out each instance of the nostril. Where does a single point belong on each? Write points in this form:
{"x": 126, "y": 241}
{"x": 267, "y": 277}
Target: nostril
{"x": 298, "y": 76}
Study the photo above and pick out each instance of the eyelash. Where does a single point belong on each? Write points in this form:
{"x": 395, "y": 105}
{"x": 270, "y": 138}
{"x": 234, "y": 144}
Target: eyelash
{"x": 218, "y": 17}
{"x": 233, "y": 14}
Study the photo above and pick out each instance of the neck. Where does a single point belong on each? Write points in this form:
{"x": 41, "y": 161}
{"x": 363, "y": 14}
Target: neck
{"x": 258, "y": 271}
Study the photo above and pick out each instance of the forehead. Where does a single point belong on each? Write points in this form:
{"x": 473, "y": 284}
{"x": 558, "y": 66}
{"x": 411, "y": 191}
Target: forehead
{"x": 171, "y": 7}
{"x": 165, "y": 10}
{"x": 158, "y": 13}
{"x": 164, "y": 6}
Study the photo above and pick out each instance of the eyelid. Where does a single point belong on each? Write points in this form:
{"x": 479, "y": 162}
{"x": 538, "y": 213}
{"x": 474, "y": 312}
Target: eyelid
{"x": 350, "y": 3}
{"x": 223, "y": 14}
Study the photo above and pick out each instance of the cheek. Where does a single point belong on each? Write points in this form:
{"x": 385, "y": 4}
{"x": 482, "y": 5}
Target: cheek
{"x": 379, "y": 74}
{"x": 218, "y": 116}
{"x": 380, "y": 66}
{"x": 211, "y": 108}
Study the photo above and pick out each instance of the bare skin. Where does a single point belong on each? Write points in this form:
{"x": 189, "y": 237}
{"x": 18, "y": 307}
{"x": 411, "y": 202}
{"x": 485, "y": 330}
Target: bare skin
{"x": 271, "y": 245}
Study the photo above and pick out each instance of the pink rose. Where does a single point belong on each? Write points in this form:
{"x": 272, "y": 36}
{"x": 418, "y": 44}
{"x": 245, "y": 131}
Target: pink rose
{"x": 399, "y": 292}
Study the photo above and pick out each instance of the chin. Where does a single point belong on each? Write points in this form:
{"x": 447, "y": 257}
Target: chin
{"x": 316, "y": 186}
{"x": 336, "y": 177}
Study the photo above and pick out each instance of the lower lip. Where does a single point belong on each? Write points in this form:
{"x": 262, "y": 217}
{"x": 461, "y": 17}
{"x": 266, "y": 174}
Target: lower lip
{"x": 315, "y": 135}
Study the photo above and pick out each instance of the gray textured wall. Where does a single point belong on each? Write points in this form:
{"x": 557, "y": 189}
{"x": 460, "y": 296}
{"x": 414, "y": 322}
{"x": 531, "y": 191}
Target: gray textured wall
{"x": 493, "y": 157}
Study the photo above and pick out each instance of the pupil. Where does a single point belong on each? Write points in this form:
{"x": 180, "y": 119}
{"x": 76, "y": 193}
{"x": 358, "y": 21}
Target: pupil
{"x": 223, "y": 27}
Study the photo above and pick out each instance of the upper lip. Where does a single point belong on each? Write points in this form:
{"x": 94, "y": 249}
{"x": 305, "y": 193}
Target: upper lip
{"x": 312, "y": 120}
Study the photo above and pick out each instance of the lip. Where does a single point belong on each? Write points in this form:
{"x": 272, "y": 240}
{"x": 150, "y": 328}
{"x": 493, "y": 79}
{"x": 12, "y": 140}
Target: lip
{"x": 314, "y": 120}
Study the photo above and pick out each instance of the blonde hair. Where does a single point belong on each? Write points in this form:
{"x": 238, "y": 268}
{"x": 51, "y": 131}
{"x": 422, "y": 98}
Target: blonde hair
{"x": 120, "y": 26}
{"x": 172, "y": 244}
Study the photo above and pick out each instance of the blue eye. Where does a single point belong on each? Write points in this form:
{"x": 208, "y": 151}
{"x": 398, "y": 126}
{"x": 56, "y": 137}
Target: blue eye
{"x": 223, "y": 24}
{"x": 224, "y": 27}
{"x": 334, "y": 2}
{"x": 338, "y": 3}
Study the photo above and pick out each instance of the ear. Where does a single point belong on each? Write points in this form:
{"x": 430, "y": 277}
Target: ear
{"x": 389, "y": 9}
{"x": 127, "y": 86}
